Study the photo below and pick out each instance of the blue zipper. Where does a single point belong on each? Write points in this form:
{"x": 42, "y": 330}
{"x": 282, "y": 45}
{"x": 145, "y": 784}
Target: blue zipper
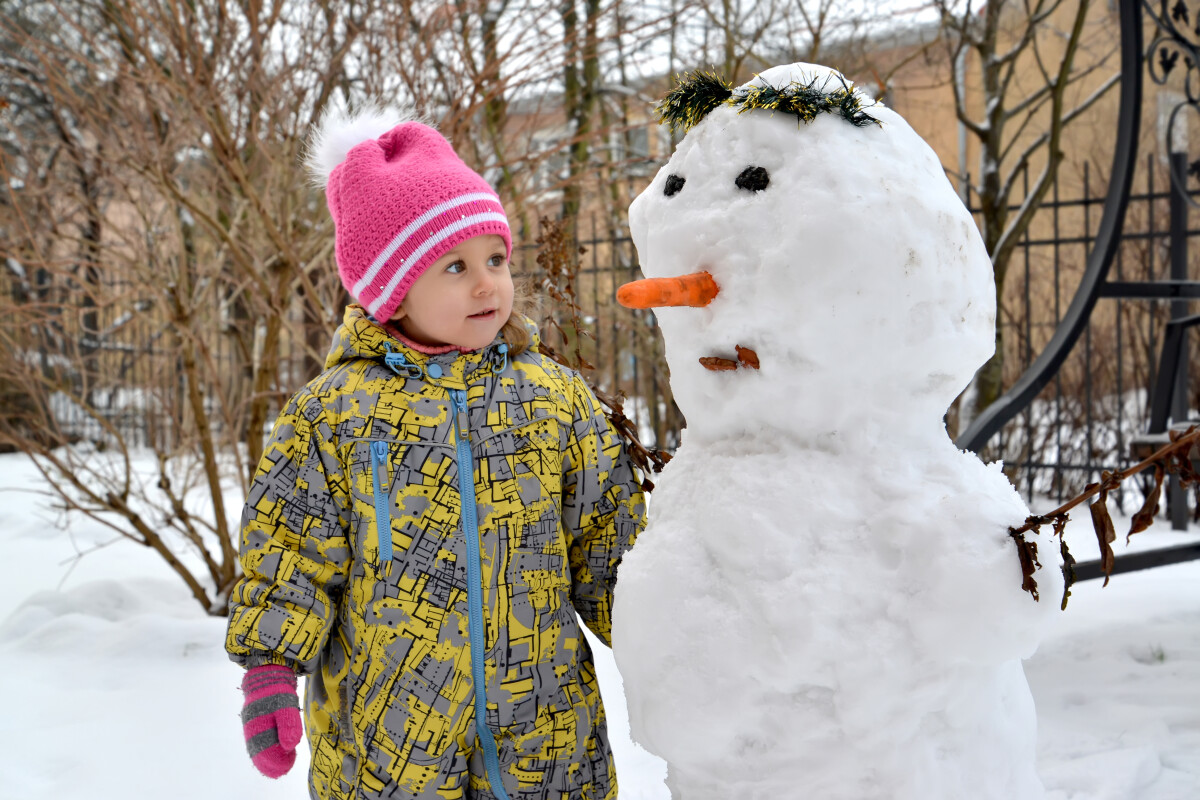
{"x": 383, "y": 516}
{"x": 470, "y": 525}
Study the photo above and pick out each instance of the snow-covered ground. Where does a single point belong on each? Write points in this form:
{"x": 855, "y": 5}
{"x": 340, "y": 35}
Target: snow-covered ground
{"x": 118, "y": 685}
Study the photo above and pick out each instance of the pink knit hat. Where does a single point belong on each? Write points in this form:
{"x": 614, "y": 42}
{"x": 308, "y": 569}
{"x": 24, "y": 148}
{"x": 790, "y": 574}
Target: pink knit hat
{"x": 399, "y": 203}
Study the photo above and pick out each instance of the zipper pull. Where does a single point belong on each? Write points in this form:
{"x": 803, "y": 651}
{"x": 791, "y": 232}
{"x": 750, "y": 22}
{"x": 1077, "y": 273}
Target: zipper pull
{"x": 460, "y": 403}
{"x": 379, "y": 452}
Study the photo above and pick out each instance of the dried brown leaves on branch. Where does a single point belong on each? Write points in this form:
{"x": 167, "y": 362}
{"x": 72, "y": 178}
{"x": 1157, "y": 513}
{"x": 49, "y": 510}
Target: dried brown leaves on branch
{"x": 558, "y": 259}
{"x": 1173, "y": 458}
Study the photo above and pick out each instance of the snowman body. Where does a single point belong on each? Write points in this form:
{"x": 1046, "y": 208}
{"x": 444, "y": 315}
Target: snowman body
{"x": 826, "y": 602}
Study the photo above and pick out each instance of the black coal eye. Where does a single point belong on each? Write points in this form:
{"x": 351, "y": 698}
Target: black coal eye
{"x": 674, "y": 184}
{"x": 753, "y": 179}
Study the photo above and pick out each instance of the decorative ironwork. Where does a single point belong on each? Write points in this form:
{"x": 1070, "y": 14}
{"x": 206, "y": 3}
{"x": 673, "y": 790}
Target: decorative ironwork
{"x": 1173, "y": 54}
{"x": 1043, "y": 369}
{"x": 1176, "y": 37}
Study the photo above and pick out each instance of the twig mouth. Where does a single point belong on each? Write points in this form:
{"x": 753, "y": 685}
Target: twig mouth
{"x": 746, "y": 359}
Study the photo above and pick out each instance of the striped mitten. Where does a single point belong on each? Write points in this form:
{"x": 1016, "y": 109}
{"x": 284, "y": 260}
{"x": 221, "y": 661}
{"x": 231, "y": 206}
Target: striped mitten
{"x": 271, "y": 718}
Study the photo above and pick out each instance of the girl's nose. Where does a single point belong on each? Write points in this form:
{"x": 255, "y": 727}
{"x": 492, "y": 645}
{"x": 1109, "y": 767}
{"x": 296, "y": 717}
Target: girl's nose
{"x": 486, "y": 283}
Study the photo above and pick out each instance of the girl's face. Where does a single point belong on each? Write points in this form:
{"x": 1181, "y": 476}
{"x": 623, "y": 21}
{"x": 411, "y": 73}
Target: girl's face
{"x": 464, "y": 299}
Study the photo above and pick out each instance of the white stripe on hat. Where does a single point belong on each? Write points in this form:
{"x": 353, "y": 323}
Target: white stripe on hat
{"x": 426, "y": 246}
{"x": 412, "y": 228}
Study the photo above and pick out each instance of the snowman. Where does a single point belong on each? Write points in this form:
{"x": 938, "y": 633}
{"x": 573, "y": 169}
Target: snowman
{"x": 826, "y": 603}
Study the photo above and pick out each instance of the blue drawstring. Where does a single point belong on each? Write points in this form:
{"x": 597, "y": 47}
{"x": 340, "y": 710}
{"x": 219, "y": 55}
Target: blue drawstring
{"x": 399, "y": 364}
{"x": 500, "y": 358}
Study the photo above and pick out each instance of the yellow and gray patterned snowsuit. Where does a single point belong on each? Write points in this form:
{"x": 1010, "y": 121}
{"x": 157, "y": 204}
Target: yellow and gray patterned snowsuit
{"x": 359, "y": 574}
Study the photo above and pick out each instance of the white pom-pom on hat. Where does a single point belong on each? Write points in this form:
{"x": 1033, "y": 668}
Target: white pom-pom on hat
{"x": 340, "y": 130}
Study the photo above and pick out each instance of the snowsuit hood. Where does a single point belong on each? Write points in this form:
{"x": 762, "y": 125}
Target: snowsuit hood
{"x": 357, "y": 568}
{"x": 358, "y": 337}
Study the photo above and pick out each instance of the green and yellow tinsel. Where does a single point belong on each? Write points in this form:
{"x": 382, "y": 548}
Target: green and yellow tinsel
{"x": 696, "y": 94}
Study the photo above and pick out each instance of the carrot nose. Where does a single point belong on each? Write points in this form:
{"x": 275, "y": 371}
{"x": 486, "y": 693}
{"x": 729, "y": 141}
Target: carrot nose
{"x": 696, "y": 290}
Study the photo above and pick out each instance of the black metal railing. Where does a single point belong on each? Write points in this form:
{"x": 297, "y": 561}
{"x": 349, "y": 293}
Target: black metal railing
{"x": 1110, "y": 389}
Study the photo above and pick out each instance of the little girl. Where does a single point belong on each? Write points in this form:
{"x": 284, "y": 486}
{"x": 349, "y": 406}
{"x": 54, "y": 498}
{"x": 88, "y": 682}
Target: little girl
{"x": 430, "y": 514}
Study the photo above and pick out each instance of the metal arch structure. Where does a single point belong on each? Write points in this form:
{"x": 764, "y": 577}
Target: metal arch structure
{"x": 1108, "y": 237}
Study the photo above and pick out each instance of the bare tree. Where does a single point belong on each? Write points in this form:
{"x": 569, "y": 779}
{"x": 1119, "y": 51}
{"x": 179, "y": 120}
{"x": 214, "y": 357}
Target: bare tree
{"x": 168, "y": 276}
{"x": 1018, "y": 123}
{"x": 741, "y": 28}
{"x": 154, "y": 191}
{"x": 737, "y": 38}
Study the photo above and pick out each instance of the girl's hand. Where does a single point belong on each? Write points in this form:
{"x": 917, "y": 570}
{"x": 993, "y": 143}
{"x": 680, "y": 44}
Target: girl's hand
{"x": 271, "y": 718}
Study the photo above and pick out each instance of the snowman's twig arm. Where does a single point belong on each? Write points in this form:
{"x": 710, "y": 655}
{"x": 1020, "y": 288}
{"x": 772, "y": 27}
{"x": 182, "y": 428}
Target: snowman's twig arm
{"x": 647, "y": 459}
{"x": 1171, "y": 458}
{"x": 1110, "y": 480}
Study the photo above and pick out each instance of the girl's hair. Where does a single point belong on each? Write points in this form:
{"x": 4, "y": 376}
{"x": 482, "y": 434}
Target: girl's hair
{"x": 516, "y": 330}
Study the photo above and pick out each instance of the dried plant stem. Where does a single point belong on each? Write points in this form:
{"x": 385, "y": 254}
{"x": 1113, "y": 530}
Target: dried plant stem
{"x": 1170, "y": 458}
{"x": 1111, "y": 480}
{"x": 558, "y": 257}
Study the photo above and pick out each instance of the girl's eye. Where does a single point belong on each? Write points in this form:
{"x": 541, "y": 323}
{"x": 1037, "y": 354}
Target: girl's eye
{"x": 455, "y": 267}
{"x": 496, "y": 260}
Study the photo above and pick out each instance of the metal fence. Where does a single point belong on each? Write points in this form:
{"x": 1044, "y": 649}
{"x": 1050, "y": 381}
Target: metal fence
{"x": 1082, "y": 422}
{"x": 622, "y": 347}
{"x": 1098, "y": 404}
{"x": 122, "y": 371}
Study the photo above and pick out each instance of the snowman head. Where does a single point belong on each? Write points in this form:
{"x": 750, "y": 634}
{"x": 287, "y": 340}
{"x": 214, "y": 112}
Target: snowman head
{"x": 838, "y": 253}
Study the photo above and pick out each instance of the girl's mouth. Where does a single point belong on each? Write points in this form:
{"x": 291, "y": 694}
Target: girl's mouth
{"x": 484, "y": 315}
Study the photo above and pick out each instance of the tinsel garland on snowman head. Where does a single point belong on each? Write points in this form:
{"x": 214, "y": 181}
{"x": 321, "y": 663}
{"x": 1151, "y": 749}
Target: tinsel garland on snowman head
{"x": 698, "y": 93}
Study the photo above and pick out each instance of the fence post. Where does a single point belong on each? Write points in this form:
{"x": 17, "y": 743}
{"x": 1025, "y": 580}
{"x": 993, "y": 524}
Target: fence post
{"x": 1179, "y": 309}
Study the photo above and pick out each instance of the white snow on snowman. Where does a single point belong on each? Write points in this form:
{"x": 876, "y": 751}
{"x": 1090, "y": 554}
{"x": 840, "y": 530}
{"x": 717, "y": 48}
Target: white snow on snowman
{"x": 826, "y": 604}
